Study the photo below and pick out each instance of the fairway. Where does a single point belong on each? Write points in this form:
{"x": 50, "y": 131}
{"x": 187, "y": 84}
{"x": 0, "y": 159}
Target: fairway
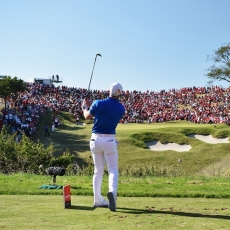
{"x": 133, "y": 127}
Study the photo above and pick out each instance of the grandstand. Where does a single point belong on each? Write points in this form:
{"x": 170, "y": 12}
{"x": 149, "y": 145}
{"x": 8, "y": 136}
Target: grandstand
{"x": 56, "y": 80}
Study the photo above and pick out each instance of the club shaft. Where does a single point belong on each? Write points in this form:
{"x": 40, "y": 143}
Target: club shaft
{"x": 92, "y": 74}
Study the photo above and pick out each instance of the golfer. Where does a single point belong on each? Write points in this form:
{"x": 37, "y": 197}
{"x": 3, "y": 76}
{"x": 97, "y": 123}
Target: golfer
{"x": 103, "y": 145}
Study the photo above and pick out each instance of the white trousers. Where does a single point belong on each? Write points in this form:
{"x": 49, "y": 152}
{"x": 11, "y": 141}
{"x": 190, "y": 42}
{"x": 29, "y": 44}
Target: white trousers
{"x": 104, "y": 150}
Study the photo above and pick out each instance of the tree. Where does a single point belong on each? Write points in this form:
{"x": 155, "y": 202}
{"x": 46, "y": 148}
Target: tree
{"x": 10, "y": 85}
{"x": 220, "y": 70}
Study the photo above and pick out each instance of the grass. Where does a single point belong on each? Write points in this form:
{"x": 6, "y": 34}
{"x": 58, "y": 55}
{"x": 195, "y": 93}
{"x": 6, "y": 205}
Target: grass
{"x": 192, "y": 187}
{"x": 47, "y": 212}
{"x": 163, "y": 194}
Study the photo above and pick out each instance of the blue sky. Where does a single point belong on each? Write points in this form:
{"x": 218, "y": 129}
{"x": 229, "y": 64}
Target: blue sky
{"x": 145, "y": 45}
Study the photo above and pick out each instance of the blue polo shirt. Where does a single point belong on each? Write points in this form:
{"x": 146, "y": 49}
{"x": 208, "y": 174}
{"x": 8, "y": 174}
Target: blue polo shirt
{"x": 107, "y": 114}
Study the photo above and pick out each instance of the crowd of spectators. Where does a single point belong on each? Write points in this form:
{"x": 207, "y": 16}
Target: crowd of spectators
{"x": 208, "y": 105}
{"x": 196, "y": 104}
{"x": 22, "y": 118}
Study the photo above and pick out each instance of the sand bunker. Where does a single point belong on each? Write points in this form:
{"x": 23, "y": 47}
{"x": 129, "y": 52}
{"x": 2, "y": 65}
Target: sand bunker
{"x": 209, "y": 139}
{"x": 157, "y": 146}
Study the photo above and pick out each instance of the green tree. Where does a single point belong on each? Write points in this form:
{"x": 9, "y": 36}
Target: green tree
{"x": 10, "y": 85}
{"x": 220, "y": 70}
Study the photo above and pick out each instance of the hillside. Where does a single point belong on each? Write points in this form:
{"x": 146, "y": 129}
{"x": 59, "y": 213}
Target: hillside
{"x": 134, "y": 155}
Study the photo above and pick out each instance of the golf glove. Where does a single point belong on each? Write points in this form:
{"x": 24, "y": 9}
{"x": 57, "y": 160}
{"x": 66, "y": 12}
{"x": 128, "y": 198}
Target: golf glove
{"x": 84, "y": 106}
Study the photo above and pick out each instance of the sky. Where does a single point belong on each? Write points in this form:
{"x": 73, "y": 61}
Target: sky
{"x": 145, "y": 45}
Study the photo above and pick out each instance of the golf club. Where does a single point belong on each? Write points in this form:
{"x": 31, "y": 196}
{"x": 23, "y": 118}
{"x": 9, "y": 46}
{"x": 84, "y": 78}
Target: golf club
{"x": 87, "y": 93}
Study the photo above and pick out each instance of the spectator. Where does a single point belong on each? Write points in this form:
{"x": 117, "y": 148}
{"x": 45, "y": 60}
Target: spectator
{"x": 53, "y": 126}
{"x": 47, "y": 130}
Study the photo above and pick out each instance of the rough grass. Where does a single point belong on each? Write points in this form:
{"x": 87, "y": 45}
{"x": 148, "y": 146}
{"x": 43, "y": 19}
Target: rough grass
{"x": 18, "y": 184}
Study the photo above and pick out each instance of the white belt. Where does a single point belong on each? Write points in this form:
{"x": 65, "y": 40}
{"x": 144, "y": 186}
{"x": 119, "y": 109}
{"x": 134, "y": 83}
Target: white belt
{"x": 103, "y": 135}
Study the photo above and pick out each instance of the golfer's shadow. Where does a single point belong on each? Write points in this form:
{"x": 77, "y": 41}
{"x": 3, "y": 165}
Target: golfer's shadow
{"x": 186, "y": 214}
{"x": 153, "y": 211}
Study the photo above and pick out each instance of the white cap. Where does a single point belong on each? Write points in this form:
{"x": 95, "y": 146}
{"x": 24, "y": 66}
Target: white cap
{"x": 115, "y": 89}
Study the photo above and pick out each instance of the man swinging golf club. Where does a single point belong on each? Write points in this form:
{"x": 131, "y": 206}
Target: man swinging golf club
{"x": 107, "y": 113}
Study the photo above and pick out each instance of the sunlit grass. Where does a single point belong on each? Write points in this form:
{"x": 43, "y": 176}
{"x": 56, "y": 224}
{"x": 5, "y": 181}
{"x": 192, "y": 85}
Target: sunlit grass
{"x": 47, "y": 212}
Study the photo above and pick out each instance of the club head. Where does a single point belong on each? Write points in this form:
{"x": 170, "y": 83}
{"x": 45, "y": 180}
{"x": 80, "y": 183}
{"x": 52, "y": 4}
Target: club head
{"x": 99, "y": 55}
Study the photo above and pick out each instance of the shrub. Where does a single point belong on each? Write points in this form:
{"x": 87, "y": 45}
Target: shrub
{"x": 29, "y": 156}
{"x": 64, "y": 160}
